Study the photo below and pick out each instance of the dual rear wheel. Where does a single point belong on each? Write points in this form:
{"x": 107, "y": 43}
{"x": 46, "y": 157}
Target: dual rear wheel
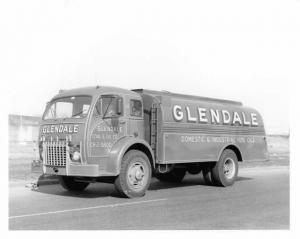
{"x": 224, "y": 171}
{"x": 176, "y": 175}
{"x": 221, "y": 173}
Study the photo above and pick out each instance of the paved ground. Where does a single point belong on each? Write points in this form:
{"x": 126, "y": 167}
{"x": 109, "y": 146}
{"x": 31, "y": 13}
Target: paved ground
{"x": 258, "y": 200}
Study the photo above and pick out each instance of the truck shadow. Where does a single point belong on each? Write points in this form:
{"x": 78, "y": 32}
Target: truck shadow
{"x": 101, "y": 190}
{"x": 96, "y": 190}
{"x": 187, "y": 182}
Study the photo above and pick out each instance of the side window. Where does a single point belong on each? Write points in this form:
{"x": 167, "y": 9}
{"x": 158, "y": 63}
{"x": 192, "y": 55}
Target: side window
{"x": 136, "y": 108}
{"x": 109, "y": 106}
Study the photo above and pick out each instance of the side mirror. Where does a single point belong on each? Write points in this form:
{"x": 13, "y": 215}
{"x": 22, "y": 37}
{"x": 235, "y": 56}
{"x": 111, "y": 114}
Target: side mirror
{"x": 119, "y": 106}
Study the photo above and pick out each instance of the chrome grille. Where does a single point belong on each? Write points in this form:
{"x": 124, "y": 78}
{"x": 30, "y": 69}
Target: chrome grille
{"x": 56, "y": 153}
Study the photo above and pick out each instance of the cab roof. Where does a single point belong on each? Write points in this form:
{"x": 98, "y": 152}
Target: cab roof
{"x": 94, "y": 91}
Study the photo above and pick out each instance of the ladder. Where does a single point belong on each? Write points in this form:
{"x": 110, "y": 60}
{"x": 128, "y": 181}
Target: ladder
{"x": 153, "y": 129}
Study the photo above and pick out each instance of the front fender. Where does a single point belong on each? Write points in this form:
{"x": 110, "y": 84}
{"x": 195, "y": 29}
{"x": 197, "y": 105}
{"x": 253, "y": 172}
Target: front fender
{"x": 118, "y": 150}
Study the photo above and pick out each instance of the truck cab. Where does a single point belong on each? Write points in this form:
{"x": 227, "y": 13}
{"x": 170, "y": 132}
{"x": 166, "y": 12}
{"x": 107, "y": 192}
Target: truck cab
{"x": 86, "y": 132}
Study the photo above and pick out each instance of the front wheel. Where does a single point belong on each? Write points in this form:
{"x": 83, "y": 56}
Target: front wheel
{"x": 135, "y": 174}
{"x": 225, "y": 171}
{"x": 70, "y": 184}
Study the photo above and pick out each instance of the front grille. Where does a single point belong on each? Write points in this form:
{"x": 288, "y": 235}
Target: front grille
{"x": 56, "y": 153}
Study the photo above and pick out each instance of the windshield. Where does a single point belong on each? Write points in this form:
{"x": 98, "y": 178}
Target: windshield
{"x": 68, "y": 107}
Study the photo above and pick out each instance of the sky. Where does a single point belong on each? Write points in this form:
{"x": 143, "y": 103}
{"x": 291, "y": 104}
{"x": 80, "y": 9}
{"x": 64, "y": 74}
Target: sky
{"x": 239, "y": 50}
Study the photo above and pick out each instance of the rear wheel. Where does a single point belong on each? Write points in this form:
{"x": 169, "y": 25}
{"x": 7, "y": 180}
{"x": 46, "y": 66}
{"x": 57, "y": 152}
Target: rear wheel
{"x": 70, "y": 184}
{"x": 176, "y": 175}
{"x": 135, "y": 175}
{"x": 225, "y": 171}
{"x": 207, "y": 175}
{"x": 194, "y": 169}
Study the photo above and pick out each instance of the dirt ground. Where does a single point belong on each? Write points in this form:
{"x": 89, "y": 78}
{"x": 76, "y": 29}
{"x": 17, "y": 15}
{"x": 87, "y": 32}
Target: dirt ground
{"x": 21, "y": 155}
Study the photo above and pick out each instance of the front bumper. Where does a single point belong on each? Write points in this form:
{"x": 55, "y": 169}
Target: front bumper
{"x": 88, "y": 170}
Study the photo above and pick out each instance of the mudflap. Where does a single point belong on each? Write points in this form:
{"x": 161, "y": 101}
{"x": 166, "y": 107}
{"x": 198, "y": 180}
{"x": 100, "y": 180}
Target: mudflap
{"x": 32, "y": 181}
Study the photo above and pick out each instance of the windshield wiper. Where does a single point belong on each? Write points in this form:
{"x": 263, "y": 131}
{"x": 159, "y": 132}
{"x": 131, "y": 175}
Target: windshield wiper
{"x": 79, "y": 113}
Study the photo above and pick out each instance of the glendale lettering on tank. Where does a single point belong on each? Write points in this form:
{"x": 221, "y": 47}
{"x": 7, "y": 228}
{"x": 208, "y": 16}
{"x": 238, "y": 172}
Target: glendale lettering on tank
{"x": 204, "y": 115}
{"x": 62, "y": 128}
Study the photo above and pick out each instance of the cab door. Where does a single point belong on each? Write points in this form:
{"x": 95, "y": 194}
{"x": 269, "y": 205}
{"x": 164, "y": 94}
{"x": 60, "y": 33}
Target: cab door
{"x": 136, "y": 118}
{"x": 107, "y": 125}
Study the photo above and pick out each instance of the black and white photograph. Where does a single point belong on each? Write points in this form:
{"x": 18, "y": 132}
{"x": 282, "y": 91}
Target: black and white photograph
{"x": 150, "y": 116}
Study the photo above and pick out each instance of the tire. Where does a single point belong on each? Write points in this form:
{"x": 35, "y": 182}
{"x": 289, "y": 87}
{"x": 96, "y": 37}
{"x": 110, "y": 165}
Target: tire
{"x": 135, "y": 175}
{"x": 70, "y": 184}
{"x": 194, "y": 169}
{"x": 225, "y": 171}
{"x": 176, "y": 175}
{"x": 207, "y": 176}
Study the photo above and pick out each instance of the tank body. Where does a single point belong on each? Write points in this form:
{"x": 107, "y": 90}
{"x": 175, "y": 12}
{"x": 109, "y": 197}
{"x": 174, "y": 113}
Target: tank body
{"x": 197, "y": 129}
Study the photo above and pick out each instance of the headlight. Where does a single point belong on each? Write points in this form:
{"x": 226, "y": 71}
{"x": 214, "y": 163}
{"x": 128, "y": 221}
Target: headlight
{"x": 76, "y": 156}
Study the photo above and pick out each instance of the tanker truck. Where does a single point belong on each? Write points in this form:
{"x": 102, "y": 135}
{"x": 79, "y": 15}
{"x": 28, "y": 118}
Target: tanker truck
{"x": 126, "y": 137}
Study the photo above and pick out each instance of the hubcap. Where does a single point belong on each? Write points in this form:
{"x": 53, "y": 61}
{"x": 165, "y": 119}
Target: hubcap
{"x": 229, "y": 168}
{"x": 137, "y": 175}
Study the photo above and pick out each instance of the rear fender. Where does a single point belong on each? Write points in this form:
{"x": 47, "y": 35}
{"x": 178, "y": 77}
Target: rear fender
{"x": 236, "y": 150}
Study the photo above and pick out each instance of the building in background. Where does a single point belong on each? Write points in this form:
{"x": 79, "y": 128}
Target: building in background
{"x": 23, "y": 129}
